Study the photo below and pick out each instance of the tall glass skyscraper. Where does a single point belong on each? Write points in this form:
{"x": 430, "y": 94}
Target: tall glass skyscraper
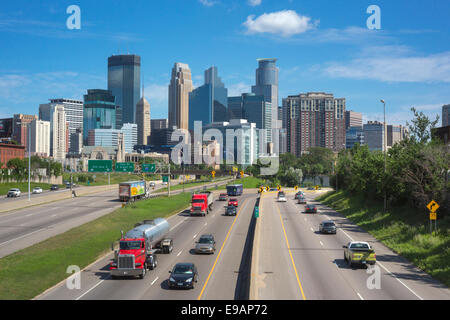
{"x": 209, "y": 103}
{"x": 124, "y": 81}
{"x": 99, "y": 111}
{"x": 267, "y": 85}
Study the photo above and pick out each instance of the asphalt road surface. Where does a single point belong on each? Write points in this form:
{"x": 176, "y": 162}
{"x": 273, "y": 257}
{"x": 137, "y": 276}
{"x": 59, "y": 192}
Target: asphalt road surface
{"x": 296, "y": 262}
{"x": 219, "y": 274}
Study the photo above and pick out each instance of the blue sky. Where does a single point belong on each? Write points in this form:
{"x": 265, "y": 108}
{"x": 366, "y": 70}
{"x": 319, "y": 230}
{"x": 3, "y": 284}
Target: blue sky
{"x": 320, "y": 45}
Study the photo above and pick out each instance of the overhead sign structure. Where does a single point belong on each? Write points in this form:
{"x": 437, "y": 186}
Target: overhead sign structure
{"x": 433, "y": 206}
{"x": 149, "y": 167}
{"x": 100, "y": 165}
{"x": 124, "y": 167}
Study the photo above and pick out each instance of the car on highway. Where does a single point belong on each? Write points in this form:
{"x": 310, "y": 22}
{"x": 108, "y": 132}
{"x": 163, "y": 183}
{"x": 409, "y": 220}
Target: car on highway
{"x": 13, "y": 193}
{"x": 298, "y": 194}
{"x": 233, "y": 202}
{"x": 164, "y": 183}
{"x": 230, "y": 211}
{"x": 206, "y": 244}
{"x": 69, "y": 185}
{"x": 281, "y": 197}
{"x": 183, "y": 275}
{"x": 310, "y": 208}
{"x": 301, "y": 200}
{"x": 359, "y": 253}
{"x": 273, "y": 189}
{"x": 223, "y": 197}
{"x": 152, "y": 184}
{"x": 310, "y": 188}
{"x": 54, "y": 187}
{"x": 37, "y": 190}
{"x": 327, "y": 227}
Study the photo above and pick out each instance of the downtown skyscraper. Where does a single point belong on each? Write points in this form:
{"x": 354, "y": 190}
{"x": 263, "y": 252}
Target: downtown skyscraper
{"x": 124, "y": 81}
{"x": 143, "y": 121}
{"x": 179, "y": 88}
{"x": 267, "y": 86}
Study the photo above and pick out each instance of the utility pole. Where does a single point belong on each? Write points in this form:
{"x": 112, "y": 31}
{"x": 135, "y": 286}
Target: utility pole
{"x": 29, "y": 163}
{"x": 385, "y": 153}
{"x": 168, "y": 183}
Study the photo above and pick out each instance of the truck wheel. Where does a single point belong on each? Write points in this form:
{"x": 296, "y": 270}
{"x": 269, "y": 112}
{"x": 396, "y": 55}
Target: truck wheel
{"x": 142, "y": 276}
{"x": 345, "y": 257}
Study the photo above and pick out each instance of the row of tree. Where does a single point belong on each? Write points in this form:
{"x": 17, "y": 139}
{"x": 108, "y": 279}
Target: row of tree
{"x": 17, "y": 169}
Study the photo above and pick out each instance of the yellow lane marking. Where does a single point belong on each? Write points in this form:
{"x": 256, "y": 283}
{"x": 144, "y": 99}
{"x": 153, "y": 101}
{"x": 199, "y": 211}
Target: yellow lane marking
{"x": 290, "y": 253}
{"x": 220, "y": 251}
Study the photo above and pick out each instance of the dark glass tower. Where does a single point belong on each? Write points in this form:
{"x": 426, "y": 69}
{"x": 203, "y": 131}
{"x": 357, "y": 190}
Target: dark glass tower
{"x": 100, "y": 112}
{"x": 209, "y": 103}
{"x": 124, "y": 81}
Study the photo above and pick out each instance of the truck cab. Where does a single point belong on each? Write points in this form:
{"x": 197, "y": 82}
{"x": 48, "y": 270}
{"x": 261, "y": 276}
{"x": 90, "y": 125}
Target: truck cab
{"x": 201, "y": 203}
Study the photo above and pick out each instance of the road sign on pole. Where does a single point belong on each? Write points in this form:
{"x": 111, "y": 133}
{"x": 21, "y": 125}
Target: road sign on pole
{"x": 165, "y": 179}
{"x": 433, "y": 216}
{"x": 213, "y": 173}
{"x": 149, "y": 167}
{"x": 296, "y": 188}
{"x": 124, "y": 167}
{"x": 100, "y": 165}
{"x": 256, "y": 212}
{"x": 433, "y": 206}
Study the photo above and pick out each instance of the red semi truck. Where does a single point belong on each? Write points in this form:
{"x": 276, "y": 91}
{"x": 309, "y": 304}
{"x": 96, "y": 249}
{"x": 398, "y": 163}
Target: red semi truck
{"x": 201, "y": 203}
{"x": 137, "y": 248}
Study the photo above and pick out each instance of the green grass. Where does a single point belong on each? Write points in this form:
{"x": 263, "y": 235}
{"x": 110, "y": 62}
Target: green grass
{"x": 23, "y": 186}
{"x": 404, "y": 231}
{"x": 101, "y": 179}
{"x": 30, "y": 271}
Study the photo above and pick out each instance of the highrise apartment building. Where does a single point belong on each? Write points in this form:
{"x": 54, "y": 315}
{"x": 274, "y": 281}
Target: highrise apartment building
{"x": 124, "y": 82}
{"x": 208, "y": 103}
{"x": 179, "y": 88}
{"x": 158, "y": 124}
{"x": 267, "y": 86}
{"x": 58, "y": 133}
{"x": 314, "y": 119}
{"x": 20, "y": 128}
{"x": 143, "y": 121}
{"x": 40, "y": 137}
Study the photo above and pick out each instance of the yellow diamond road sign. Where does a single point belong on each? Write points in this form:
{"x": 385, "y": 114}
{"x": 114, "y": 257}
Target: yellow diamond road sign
{"x": 433, "y": 206}
{"x": 296, "y": 188}
{"x": 433, "y": 216}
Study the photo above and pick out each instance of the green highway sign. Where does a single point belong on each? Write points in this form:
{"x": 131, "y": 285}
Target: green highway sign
{"x": 256, "y": 212}
{"x": 124, "y": 167}
{"x": 100, "y": 165}
{"x": 149, "y": 168}
{"x": 165, "y": 179}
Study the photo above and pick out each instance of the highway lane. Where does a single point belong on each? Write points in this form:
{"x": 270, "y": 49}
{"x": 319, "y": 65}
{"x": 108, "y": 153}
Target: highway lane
{"x": 217, "y": 274}
{"x": 314, "y": 267}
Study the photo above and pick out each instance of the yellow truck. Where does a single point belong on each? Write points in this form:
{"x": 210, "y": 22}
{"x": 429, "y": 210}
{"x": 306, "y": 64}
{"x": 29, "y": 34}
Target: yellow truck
{"x": 359, "y": 253}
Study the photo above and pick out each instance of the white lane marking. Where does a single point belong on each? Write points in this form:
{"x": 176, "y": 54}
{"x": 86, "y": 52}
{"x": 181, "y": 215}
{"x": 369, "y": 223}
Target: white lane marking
{"x": 312, "y": 229}
{"x": 360, "y": 296}
{"x": 90, "y": 290}
{"x": 153, "y": 282}
{"x": 389, "y": 272}
{"x": 195, "y": 235}
{"x": 321, "y": 243}
{"x": 205, "y": 224}
{"x": 25, "y": 235}
{"x": 399, "y": 281}
{"x": 179, "y": 253}
{"x": 54, "y": 215}
{"x": 177, "y": 224}
{"x": 304, "y": 218}
{"x": 29, "y": 215}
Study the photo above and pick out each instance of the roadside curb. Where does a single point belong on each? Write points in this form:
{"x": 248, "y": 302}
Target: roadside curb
{"x": 254, "y": 270}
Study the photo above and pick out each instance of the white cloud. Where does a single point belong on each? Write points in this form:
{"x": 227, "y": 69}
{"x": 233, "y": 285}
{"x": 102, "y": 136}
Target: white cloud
{"x": 254, "y": 3}
{"x": 237, "y": 89}
{"x": 404, "y": 114}
{"x": 286, "y": 23}
{"x": 157, "y": 96}
{"x": 394, "y": 64}
{"x": 208, "y": 3}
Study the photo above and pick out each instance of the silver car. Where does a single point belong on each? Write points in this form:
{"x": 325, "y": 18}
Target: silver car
{"x": 13, "y": 193}
{"x": 206, "y": 244}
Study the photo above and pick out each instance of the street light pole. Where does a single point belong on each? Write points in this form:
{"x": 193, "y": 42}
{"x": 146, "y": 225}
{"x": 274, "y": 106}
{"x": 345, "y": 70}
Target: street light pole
{"x": 385, "y": 152}
{"x": 29, "y": 163}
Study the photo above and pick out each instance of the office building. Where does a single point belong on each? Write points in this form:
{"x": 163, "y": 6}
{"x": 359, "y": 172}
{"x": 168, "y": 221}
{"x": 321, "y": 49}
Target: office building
{"x": 374, "y": 135}
{"x": 58, "y": 132}
{"x": 314, "y": 119}
{"x": 208, "y": 103}
{"x": 267, "y": 86}
{"x": 9, "y": 151}
{"x": 179, "y": 88}
{"x": 143, "y": 121}
{"x": 353, "y": 136}
{"x": 395, "y": 134}
{"x": 158, "y": 124}
{"x": 76, "y": 142}
{"x": 353, "y": 119}
{"x": 40, "y": 138}
{"x": 129, "y": 131}
{"x": 235, "y": 108}
{"x": 20, "y": 128}
{"x": 99, "y": 111}
{"x": 124, "y": 82}
{"x": 112, "y": 137}
{"x": 446, "y": 115}
{"x": 6, "y": 128}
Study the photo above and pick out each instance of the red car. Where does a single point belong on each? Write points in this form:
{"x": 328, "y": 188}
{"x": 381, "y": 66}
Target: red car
{"x": 223, "y": 197}
{"x": 233, "y": 202}
{"x": 310, "y": 208}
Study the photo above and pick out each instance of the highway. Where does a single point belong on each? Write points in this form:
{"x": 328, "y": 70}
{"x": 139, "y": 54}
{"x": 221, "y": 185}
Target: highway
{"x": 293, "y": 261}
{"x": 220, "y": 275}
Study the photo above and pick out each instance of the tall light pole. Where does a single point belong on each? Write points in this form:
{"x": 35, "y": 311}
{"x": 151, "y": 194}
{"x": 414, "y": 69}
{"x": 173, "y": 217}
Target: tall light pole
{"x": 29, "y": 162}
{"x": 385, "y": 152}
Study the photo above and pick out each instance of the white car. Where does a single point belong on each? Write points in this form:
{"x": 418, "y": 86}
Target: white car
{"x": 13, "y": 193}
{"x": 37, "y": 190}
{"x": 152, "y": 184}
{"x": 282, "y": 198}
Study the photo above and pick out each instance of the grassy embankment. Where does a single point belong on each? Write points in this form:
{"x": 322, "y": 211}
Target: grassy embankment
{"x": 401, "y": 229}
{"x": 30, "y": 271}
{"x": 23, "y": 187}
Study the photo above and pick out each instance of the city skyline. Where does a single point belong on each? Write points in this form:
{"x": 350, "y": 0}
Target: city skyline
{"x": 337, "y": 56}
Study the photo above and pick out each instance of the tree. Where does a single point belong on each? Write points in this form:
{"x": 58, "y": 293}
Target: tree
{"x": 420, "y": 129}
